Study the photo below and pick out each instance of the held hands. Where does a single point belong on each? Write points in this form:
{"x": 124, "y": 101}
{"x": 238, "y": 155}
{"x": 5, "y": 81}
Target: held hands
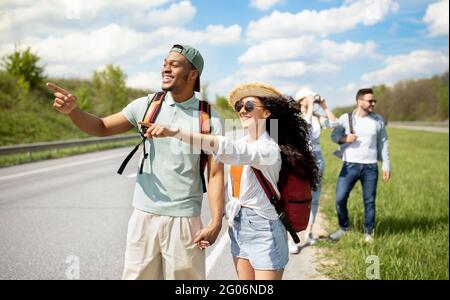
{"x": 157, "y": 130}
{"x": 206, "y": 236}
{"x": 64, "y": 101}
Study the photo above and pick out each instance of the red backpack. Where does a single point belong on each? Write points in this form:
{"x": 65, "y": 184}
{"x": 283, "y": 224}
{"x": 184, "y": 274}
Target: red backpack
{"x": 294, "y": 206}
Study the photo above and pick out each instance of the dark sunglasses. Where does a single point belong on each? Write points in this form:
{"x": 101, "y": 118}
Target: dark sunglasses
{"x": 373, "y": 101}
{"x": 249, "y": 106}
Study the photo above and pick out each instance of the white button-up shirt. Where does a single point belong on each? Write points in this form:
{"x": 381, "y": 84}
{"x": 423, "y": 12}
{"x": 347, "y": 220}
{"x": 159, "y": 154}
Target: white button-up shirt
{"x": 262, "y": 154}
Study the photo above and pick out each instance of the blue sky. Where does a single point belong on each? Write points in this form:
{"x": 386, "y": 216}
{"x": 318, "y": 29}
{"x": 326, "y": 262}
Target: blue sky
{"x": 331, "y": 46}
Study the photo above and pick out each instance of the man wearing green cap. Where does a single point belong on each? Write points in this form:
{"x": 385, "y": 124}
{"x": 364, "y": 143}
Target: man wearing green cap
{"x": 165, "y": 238}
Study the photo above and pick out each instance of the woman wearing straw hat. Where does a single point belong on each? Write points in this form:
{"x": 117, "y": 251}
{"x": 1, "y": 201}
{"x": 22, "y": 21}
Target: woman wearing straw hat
{"x": 258, "y": 238}
{"x": 306, "y": 99}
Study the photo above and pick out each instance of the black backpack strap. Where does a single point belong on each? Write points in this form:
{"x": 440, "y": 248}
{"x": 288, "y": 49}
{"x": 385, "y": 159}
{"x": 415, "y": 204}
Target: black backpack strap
{"x": 205, "y": 128}
{"x": 350, "y": 123}
{"x": 154, "y": 113}
{"x": 127, "y": 159}
{"x": 157, "y": 104}
{"x": 272, "y": 195}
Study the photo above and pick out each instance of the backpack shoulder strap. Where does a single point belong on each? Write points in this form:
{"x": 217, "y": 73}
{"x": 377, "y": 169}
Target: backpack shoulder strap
{"x": 266, "y": 185}
{"x": 205, "y": 117}
{"x": 350, "y": 122}
{"x": 272, "y": 195}
{"x": 205, "y": 128}
{"x": 153, "y": 108}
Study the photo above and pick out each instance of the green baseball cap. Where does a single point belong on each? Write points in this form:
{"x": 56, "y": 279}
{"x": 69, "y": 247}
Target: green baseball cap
{"x": 194, "y": 56}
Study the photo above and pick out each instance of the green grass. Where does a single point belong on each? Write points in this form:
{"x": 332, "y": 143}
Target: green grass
{"x": 21, "y": 158}
{"x": 411, "y": 235}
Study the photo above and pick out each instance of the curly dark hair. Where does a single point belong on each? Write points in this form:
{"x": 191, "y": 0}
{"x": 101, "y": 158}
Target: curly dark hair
{"x": 293, "y": 137}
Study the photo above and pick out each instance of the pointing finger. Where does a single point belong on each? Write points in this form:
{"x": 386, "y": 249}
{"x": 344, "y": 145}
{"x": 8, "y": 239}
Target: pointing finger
{"x": 56, "y": 88}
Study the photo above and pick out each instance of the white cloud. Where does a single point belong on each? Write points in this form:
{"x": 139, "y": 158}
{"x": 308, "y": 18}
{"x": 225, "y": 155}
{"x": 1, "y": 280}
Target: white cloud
{"x": 350, "y": 88}
{"x": 306, "y": 47}
{"x": 289, "y": 70}
{"x": 282, "y": 69}
{"x": 77, "y": 53}
{"x": 102, "y": 45}
{"x": 264, "y": 4}
{"x": 145, "y": 80}
{"x": 75, "y": 37}
{"x": 177, "y": 14}
{"x": 323, "y": 23}
{"x": 21, "y": 19}
{"x": 221, "y": 35}
{"x": 284, "y": 75}
{"x": 417, "y": 64}
{"x": 437, "y": 16}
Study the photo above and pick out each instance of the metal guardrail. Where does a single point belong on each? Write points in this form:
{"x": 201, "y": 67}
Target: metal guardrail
{"x": 23, "y": 148}
{"x": 63, "y": 144}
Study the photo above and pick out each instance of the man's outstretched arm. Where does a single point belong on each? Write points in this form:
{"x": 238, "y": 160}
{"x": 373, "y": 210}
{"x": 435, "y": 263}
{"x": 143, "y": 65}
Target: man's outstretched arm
{"x": 66, "y": 103}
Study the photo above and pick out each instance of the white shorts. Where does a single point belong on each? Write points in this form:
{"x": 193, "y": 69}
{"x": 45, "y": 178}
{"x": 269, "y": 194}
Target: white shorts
{"x": 162, "y": 247}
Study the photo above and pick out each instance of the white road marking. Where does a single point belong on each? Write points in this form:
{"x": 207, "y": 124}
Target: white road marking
{"x": 78, "y": 163}
{"x": 132, "y": 175}
{"x": 216, "y": 252}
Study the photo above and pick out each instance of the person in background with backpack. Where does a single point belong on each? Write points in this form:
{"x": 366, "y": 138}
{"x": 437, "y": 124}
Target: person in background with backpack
{"x": 258, "y": 237}
{"x": 363, "y": 139}
{"x": 306, "y": 99}
{"x": 165, "y": 235}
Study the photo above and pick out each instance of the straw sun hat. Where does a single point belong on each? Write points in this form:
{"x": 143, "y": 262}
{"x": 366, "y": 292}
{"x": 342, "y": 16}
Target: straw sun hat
{"x": 255, "y": 89}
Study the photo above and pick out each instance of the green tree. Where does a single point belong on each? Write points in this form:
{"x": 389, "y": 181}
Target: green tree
{"x": 412, "y": 100}
{"x": 24, "y": 66}
{"x": 111, "y": 92}
{"x": 224, "y": 108}
{"x": 8, "y": 91}
{"x": 82, "y": 98}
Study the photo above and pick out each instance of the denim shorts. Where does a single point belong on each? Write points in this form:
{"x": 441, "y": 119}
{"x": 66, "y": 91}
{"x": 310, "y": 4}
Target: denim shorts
{"x": 262, "y": 241}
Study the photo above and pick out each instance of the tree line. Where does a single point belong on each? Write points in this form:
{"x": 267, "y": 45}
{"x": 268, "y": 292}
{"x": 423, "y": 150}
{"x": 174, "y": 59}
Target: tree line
{"x": 411, "y": 100}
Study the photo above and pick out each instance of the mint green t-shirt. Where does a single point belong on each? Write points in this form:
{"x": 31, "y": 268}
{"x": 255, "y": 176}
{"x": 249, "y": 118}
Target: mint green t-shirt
{"x": 170, "y": 183}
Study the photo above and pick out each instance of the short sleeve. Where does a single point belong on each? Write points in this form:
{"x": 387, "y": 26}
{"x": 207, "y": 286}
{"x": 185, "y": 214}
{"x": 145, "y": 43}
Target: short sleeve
{"x": 135, "y": 110}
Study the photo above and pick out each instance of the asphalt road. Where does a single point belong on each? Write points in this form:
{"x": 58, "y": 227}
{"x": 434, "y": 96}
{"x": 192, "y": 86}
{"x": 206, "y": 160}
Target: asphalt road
{"x": 59, "y": 214}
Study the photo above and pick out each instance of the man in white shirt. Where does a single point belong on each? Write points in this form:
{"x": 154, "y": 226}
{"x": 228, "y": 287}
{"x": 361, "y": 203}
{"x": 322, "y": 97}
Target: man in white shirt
{"x": 363, "y": 143}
